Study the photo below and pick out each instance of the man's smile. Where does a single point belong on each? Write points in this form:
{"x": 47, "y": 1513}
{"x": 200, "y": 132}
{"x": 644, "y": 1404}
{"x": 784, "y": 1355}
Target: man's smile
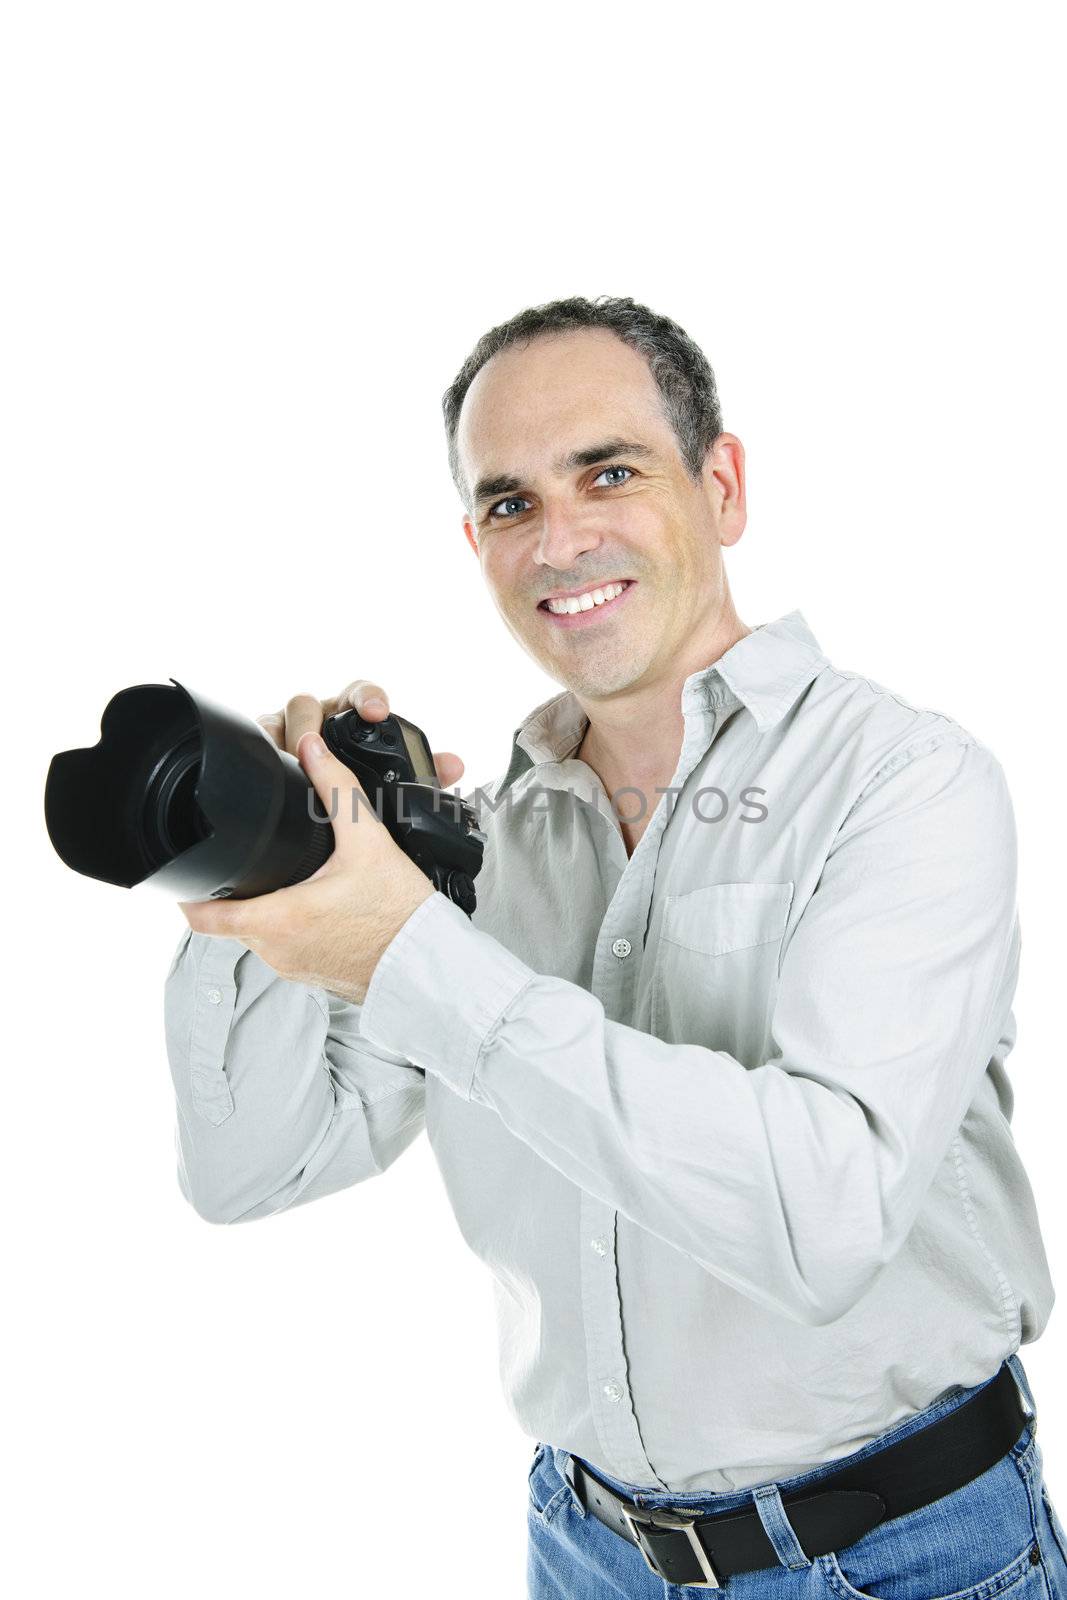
{"x": 580, "y": 607}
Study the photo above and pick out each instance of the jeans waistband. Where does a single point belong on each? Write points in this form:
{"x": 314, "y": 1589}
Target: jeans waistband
{"x": 732, "y": 1499}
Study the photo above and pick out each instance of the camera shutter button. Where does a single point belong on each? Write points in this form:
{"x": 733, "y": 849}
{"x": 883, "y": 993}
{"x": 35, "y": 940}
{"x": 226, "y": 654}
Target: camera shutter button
{"x": 461, "y": 890}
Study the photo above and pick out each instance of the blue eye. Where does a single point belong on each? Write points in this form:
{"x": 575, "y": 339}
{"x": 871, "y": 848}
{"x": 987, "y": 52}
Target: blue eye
{"x": 618, "y": 481}
{"x": 519, "y": 500}
{"x": 515, "y": 499}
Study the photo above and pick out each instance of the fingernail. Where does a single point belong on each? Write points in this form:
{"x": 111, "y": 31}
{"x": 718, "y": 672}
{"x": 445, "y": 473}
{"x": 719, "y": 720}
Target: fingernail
{"x": 375, "y": 704}
{"x": 314, "y": 745}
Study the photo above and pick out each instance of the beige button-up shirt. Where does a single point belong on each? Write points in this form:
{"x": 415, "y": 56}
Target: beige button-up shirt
{"x": 728, "y": 1121}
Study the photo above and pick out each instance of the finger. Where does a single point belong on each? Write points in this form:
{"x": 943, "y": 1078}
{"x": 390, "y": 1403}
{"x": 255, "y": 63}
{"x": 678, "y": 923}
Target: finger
{"x": 364, "y": 695}
{"x": 273, "y": 723}
{"x": 303, "y": 714}
{"x": 223, "y": 919}
{"x": 334, "y": 784}
{"x": 449, "y": 767}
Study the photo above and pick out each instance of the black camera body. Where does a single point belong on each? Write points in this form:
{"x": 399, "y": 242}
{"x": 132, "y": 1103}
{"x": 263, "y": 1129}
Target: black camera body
{"x": 436, "y": 829}
{"x": 198, "y": 801}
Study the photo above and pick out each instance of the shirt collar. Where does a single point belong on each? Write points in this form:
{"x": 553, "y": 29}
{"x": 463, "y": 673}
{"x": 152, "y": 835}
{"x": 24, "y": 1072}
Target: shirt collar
{"x": 766, "y": 672}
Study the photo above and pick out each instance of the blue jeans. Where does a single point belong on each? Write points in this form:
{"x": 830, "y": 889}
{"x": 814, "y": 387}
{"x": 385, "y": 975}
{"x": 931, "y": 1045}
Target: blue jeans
{"x": 997, "y": 1535}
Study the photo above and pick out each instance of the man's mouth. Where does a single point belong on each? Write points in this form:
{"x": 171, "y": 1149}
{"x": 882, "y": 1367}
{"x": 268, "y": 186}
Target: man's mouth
{"x": 580, "y": 604}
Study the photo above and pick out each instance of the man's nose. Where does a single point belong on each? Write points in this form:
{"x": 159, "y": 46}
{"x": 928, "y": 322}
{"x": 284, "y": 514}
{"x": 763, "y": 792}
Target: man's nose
{"x": 565, "y": 535}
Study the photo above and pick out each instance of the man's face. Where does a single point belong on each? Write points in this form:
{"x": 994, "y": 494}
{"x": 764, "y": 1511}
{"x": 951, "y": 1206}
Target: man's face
{"x": 544, "y": 523}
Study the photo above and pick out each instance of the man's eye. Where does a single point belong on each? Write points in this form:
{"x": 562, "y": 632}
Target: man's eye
{"x": 617, "y": 480}
{"x": 518, "y": 499}
{"x": 513, "y": 500}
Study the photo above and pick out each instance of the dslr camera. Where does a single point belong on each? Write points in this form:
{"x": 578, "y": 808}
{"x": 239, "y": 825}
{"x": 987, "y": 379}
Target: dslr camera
{"x": 198, "y": 800}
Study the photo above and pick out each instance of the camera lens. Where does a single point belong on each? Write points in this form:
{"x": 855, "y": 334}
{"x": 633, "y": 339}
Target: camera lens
{"x": 171, "y": 820}
{"x": 188, "y": 796}
{"x": 197, "y": 800}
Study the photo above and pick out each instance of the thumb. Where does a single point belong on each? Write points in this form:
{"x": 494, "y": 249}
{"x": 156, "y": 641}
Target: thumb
{"x": 343, "y": 797}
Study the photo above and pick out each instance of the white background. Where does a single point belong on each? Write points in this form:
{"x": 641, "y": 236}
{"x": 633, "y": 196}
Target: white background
{"x": 247, "y": 248}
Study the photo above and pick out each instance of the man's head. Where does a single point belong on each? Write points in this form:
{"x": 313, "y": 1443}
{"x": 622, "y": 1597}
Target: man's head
{"x": 536, "y": 398}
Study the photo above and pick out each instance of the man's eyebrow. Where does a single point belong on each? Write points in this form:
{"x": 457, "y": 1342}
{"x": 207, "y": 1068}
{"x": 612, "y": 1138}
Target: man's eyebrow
{"x": 507, "y": 483}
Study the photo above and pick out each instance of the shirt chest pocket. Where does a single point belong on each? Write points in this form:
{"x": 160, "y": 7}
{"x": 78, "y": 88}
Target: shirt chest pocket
{"x": 715, "y": 971}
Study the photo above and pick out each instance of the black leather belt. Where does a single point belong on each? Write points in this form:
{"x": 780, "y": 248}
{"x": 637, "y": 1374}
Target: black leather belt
{"x": 703, "y": 1551}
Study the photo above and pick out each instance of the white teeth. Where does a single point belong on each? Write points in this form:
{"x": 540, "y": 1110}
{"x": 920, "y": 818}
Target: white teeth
{"x": 585, "y": 602}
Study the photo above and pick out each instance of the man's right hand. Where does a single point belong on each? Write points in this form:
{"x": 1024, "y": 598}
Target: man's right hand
{"x": 304, "y": 714}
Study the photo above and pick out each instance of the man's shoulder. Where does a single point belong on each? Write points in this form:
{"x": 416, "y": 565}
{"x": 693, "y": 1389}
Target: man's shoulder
{"x": 861, "y": 700}
{"x": 876, "y": 731}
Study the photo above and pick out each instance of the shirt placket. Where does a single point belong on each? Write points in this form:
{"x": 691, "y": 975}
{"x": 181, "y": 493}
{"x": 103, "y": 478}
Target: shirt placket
{"x": 619, "y": 950}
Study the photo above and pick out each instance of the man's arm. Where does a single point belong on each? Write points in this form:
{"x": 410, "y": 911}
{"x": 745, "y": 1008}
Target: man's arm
{"x": 280, "y": 1100}
{"x": 795, "y": 1182}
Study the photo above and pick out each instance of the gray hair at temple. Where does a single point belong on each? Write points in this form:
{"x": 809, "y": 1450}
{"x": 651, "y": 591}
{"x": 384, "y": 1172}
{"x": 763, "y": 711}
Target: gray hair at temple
{"x": 682, "y": 372}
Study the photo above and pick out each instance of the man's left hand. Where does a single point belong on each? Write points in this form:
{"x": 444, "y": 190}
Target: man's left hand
{"x": 331, "y": 929}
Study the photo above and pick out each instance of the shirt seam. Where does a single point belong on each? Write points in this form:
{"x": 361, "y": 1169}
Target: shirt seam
{"x": 354, "y": 1101}
{"x": 885, "y": 693}
{"x": 923, "y": 746}
{"x": 1008, "y": 1298}
{"x": 994, "y": 989}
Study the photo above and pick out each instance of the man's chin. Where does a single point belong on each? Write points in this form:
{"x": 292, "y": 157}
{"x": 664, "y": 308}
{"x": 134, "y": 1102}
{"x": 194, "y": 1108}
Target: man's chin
{"x": 574, "y": 659}
{"x": 594, "y": 680}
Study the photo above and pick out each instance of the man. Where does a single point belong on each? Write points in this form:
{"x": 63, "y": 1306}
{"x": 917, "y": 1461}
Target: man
{"x": 716, "y": 1078}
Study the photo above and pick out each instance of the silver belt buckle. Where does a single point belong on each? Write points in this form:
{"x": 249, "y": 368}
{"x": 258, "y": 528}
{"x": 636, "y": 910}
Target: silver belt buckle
{"x": 664, "y": 1519}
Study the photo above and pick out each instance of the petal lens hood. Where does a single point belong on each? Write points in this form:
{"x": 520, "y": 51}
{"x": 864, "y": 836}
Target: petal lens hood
{"x": 186, "y": 795}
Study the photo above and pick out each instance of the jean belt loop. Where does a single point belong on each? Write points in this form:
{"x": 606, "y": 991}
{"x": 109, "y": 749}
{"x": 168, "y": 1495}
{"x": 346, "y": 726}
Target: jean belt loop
{"x": 778, "y": 1528}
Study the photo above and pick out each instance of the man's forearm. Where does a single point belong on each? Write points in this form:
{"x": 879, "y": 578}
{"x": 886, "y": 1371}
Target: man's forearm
{"x": 279, "y": 1099}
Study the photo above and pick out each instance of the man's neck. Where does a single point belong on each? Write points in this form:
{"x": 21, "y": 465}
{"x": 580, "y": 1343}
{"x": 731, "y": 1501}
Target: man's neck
{"x": 635, "y": 739}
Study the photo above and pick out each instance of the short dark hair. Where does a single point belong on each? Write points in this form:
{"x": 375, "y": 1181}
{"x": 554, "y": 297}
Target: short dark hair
{"x": 682, "y": 372}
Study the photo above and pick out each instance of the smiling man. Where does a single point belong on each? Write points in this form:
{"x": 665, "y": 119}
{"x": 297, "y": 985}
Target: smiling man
{"x": 716, "y": 1077}
{"x": 628, "y": 509}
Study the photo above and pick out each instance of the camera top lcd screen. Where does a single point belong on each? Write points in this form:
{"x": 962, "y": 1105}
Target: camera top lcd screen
{"x": 419, "y": 753}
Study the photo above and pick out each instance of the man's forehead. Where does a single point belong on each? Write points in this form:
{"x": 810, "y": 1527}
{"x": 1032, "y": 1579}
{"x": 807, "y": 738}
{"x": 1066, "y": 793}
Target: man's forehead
{"x": 567, "y": 394}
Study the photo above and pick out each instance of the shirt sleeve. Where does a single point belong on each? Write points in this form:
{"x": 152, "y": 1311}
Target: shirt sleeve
{"x": 795, "y": 1181}
{"x": 280, "y": 1100}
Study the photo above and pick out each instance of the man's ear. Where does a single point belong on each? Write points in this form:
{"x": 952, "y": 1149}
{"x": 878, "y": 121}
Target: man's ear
{"x": 468, "y": 529}
{"x": 724, "y": 475}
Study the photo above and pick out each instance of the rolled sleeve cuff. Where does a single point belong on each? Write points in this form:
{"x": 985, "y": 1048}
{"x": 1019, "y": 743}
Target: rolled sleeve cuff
{"x": 439, "y": 990}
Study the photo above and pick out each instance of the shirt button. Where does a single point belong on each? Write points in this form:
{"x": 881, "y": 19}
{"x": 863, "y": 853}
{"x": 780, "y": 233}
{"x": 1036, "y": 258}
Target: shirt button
{"x": 613, "y": 1391}
{"x": 214, "y": 996}
{"x": 600, "y": 1246}
{"x": 621, "y": 948}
